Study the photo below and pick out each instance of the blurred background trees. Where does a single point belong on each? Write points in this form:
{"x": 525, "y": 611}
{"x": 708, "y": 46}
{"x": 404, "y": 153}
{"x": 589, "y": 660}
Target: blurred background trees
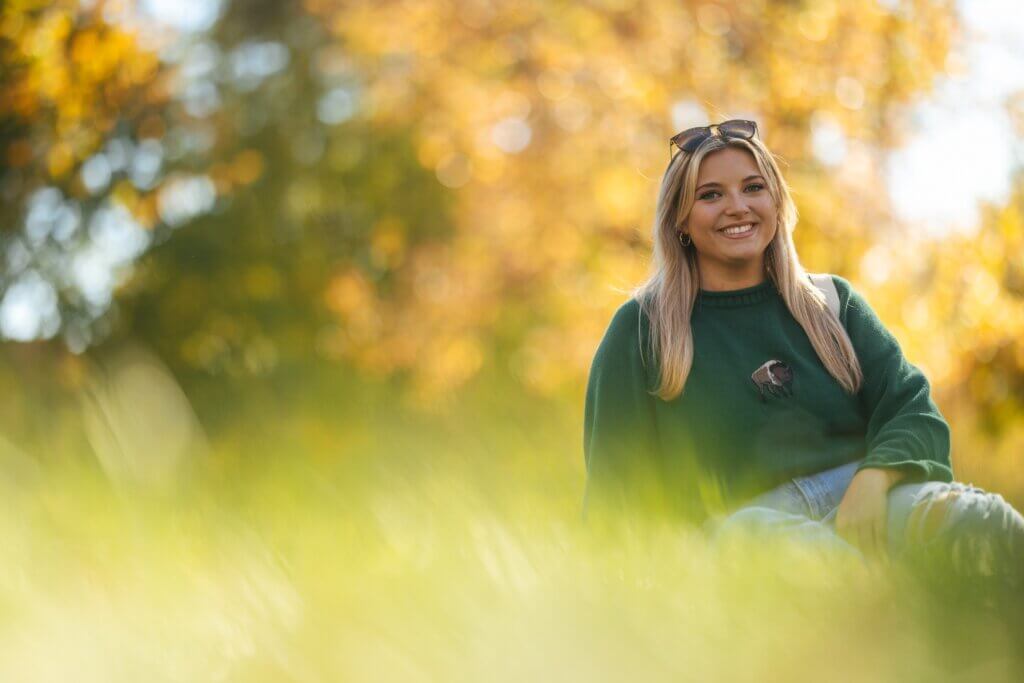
{"x": 292, "y": 202}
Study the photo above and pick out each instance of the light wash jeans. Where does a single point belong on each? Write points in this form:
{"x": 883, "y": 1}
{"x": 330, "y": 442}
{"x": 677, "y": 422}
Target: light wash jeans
{"x": 980, "y": 537}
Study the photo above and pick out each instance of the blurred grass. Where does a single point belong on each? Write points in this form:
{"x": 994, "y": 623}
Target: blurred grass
{"x": 389, "y": 545}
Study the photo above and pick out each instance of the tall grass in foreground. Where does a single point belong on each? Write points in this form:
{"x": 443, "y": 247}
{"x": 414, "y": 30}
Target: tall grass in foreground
{"x": 294, "y": 576}
{"x": 339, "y": 538}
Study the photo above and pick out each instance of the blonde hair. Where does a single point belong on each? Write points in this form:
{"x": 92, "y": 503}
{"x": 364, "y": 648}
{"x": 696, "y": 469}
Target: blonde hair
{"x": 668, "y": 296}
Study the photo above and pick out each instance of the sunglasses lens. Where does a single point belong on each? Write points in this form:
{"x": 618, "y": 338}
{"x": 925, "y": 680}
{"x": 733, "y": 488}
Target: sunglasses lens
{"x": 739, "y": 128}
{"x": 689, "y": 139}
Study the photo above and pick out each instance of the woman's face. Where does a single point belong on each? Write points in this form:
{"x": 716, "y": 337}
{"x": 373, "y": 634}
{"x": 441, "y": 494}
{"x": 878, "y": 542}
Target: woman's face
{"x": 730, "y": 192}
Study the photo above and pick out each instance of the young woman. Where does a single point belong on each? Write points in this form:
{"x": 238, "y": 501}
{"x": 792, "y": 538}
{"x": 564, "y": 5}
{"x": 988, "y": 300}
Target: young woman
{"x": 728, "y": 390}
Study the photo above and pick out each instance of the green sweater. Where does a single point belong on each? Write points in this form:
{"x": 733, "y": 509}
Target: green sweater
{"x": 758, "y": 408}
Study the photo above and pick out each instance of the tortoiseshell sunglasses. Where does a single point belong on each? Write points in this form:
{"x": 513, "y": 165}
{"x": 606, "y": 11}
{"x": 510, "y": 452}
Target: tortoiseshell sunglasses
{"x": 691, "y": 138}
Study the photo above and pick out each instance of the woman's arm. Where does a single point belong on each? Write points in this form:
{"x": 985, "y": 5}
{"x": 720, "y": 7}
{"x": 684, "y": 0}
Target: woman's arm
{"x": 905, "y": 430}
{"x": 619, "y": 431}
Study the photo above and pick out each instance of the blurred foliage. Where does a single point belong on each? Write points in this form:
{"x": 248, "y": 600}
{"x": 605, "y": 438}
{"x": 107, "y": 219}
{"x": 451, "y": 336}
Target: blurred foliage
{"x": 420, "y": 188}
{"x": 75, "y": 85}
{"x": 418, "y": 191}
{"x": 314, "y": 294}
{"x": 550, "y": 121}
{"x": 440, "y": 196}
{"x": 958, "y": 309}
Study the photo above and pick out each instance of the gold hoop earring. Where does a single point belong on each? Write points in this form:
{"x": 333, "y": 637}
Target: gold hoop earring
{"x": 688, "y": 241}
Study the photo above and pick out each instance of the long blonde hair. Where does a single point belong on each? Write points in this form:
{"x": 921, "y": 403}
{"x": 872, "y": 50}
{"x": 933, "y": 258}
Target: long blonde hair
{"x": 668, "y": 296}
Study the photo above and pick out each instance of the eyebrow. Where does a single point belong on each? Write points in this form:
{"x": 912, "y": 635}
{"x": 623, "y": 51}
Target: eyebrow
{"x": 749, "y": 177}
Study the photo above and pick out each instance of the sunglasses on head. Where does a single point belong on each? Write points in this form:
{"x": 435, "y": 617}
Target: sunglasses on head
{"x": 690, "y": 139}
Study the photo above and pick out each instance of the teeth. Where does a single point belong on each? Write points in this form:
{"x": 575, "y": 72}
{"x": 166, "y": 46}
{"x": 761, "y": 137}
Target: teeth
{"x": 739, "y": 229}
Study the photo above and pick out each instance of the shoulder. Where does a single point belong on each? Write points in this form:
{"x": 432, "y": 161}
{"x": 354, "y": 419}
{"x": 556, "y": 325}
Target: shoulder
{"x": 627, "y": 333}
{"x": 629, "y": 316}
{"x": 628, "y": 323}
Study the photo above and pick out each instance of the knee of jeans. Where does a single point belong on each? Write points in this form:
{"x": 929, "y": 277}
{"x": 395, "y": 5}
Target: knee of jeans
{"x": 761, "y": 520}
{"x": 979, "y": 526}
{"x": 749, "y": 518}
{"x": 938, "y": 508}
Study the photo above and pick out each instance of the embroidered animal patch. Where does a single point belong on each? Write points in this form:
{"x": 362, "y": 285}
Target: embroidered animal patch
{"x": 775, "y": 378}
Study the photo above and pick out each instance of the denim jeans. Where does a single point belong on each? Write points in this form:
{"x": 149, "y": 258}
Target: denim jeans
{"x": 980, "y": 536}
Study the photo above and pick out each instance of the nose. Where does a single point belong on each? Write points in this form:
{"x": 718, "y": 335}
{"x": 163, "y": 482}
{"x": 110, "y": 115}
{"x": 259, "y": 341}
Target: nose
{"x": 736, "y": 205}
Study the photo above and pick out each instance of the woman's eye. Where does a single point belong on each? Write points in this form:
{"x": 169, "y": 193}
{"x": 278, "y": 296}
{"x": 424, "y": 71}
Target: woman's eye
{"x": 758, "y": 187}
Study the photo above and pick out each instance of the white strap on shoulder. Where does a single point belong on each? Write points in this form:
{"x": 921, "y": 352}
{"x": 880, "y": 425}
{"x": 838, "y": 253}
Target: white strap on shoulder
{"x": 823, "y": 281}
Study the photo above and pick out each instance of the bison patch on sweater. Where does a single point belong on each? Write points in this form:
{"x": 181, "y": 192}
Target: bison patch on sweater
{"x": 773, "y": 377}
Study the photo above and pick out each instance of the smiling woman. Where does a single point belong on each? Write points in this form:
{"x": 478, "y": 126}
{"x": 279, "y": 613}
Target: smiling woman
{"x": 797, "y": 413}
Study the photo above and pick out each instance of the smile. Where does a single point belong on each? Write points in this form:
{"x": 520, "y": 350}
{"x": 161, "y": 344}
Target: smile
{"x": 739, "y": 232}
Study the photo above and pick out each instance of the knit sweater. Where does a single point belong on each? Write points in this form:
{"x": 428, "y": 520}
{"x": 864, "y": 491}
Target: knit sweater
{"x": 757, "y": 409}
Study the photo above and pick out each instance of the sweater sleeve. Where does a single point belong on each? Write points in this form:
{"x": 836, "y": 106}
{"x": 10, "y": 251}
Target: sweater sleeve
{"x": 905, "y": 430}
{"x": 619, "y": 430}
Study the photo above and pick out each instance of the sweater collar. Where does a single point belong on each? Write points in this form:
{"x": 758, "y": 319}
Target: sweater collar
{"x": 737, "y": 297}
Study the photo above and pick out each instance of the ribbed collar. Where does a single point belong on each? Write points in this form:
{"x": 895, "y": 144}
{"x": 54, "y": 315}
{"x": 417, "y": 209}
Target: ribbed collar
{"x": 737, "y": 297}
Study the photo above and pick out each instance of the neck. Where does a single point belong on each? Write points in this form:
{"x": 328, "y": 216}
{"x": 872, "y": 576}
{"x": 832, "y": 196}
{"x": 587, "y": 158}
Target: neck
{"x": 723, "y": 281}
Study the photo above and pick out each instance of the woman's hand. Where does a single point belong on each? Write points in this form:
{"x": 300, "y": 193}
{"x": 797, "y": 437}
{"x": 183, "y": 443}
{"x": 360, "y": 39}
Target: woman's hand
{"x": 862, "y": 516}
